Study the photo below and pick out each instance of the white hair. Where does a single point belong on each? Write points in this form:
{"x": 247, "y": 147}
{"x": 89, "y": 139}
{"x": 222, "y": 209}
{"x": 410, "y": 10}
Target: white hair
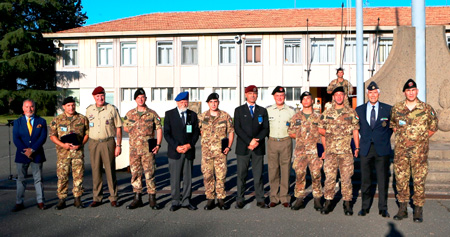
{"x": 367, "y": 91}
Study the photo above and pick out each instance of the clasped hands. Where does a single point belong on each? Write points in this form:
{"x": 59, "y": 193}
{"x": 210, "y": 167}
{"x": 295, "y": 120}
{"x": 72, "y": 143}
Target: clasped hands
{"x": 183, "y": 148}
{"x": 253, "y": 144}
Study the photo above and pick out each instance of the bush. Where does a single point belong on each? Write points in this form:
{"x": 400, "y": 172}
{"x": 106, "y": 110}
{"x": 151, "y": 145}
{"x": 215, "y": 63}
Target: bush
{"x": 11, "y": 101}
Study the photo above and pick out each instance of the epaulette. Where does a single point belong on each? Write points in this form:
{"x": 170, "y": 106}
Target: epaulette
{"x": 268, "y": 106}
{"x": 89, "y": 106}
{"x": 292, "y": 107}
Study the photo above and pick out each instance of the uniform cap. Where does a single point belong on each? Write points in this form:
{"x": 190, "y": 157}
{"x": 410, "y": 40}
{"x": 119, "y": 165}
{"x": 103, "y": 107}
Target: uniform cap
{"x": 139, "y": 92}
{"x": 278, "y": 89}
{"x": 212, "y": 96}
{"x": 182, "y": 96}
{"x": 251, "y": 88}
{"x": 304, "y": 94}
{"x": 98, "y": 90}
{"x": 67, "y": 100}
{"x": 372, "y": 86}
{"x": 337, "y": 89}
{"x": 409, "y": 84}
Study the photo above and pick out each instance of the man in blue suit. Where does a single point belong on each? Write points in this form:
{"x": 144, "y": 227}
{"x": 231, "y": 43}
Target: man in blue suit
{"x": 375, "y": 149}
{"x": 29, "y": 136}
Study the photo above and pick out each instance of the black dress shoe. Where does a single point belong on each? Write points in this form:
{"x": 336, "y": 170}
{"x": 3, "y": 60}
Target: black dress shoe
{"x": 239, "y": 205}
{"x": 384, "y": 213}
{"x": 174, "y": 207}
{"x": 363, "y": 212}
{"x": 262, "y": 205}
{"x": 18, "y": 207}
{"x": 190, "y": 207}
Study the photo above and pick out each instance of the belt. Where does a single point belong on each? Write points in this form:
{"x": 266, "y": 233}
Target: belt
{"x": 103, "y": 140}
{"x": 279, "y": 139}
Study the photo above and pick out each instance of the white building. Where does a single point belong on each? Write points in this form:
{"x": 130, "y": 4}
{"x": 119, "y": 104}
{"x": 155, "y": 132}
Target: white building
{"x": 166, "y": 53}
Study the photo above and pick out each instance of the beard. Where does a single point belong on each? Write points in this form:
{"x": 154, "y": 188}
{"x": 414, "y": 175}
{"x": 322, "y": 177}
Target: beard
{"x": 183, "y": 109}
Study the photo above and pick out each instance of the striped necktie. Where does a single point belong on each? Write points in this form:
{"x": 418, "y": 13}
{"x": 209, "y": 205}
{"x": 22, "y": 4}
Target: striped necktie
{"x": 30, "y": 128}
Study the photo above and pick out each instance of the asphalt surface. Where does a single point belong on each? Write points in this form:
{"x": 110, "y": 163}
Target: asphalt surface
{"x": 108, "y": 221}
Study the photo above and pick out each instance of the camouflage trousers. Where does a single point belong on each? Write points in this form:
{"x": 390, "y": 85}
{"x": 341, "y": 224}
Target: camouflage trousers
{"x": 315, "y": 165}
{"x": 142, "y": 163}
{"x": 408, "y": 163}
{"x": 343, "y": 162}
{"x": 63, "y": 166}
{"x": 216, "y": 164}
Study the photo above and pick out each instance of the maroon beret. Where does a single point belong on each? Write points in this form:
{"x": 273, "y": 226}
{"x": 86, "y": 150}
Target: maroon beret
{"x": 251, "y": 88}
{"x": 98, "y": 90}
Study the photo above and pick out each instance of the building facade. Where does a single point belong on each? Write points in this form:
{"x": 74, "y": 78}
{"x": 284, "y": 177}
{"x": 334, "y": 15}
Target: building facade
{"x": 224, "y": 51}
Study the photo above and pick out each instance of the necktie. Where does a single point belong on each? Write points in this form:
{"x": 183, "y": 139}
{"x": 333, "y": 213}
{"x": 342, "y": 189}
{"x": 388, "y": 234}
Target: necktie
{"x": 372, "y": 117}
{"x": 183, "y": 118}
{"x": 30, "y": 128}
{"x": 251, "y": 110}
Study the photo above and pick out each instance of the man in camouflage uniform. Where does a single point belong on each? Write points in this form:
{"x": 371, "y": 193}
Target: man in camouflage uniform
{"x": 413, "y": 122}
{"x": 215, "y": 125}
{"x": 338, "y": 124}
{"x": 340, "y": 81}
{"x": 69, "y": 155}
{"x": 141, "y": 123}
{"x": 303, "y": 127}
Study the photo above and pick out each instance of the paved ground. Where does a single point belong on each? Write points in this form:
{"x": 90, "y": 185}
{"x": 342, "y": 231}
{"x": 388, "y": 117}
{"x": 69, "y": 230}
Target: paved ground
{"x": 108, "y": 221}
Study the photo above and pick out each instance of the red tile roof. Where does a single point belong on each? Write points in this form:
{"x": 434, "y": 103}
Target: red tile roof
{"x": 280, "y": 18}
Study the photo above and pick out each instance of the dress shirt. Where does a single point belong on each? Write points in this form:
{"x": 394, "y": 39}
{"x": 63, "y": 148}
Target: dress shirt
{"x": 369, "y": 110}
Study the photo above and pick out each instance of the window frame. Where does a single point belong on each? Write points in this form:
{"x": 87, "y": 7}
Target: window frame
{"x": 296, "y": 91}
{"x": 192, "y": 60}
{"x": 99, "y": 47}
{"x": 388, "y": 46}
{"x": 70, "y": 55}
{"x": 228, "y": 44}
{"x": 199, "y": 91}
{"x": 221, "y": 90}
{"x": 352, "y": 42}
{"x": 130, "y": 53}
{"x": 325, "y": 42}
{"x": 167, "y": 97}
{"x": 299, "y": 50}
{"x": 253, "y": 43}
{"x": 165, "y": 48}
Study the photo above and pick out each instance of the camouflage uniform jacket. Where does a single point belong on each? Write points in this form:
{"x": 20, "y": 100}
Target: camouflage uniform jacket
{"x": 62, "y": 126}
{"x": 412, "y": 126}
{"x": 214, "y": 130}
{"x": 306, "y": 132}
{"x": 346, "y": 84}
{"x": 141, "y": 128}
{"x": 339, "y": 129}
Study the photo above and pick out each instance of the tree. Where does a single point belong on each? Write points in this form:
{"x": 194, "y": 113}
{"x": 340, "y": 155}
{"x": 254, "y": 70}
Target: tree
{"x": 27, "y": 59}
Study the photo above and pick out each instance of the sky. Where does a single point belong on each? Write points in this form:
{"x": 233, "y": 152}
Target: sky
{"x": 107, "y": 10}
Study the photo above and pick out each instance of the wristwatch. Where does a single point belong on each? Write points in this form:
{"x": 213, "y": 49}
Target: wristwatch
{"x": 158, "y": 145}
{"x": 118, "y": 145}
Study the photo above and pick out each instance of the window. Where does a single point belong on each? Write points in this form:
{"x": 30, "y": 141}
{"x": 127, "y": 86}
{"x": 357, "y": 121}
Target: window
{"x": 226, "y": 94}
{"x": 162, "y": 94}
{"x": 129, "y": 54}
{"x": 350, "y": 50}
{"x": 384, "y": 47}
{"x": 189, "y": 54}
{"x": 195, "y": 94}
{"x": 292, "y": 93}
{"x": 322, "y": 50}
{"x": 165, "y": 53}
{"x": 70, "y": 55}
{"x": 292, "y": 51}
{"x": 128, "y": 94}
{"x": 253, "y": 51}
{"x": 263, "y": 93}
{"x": 105, "y": 54}
{"x": 227, "y": 52}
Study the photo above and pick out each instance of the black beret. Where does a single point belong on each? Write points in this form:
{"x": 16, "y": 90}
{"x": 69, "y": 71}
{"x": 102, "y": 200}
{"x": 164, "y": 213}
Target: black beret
{"x": 409, "y": 84}
{"x": 139, "y": 92}
{"x": 304, "y": 94}
{"x": 69, "y": 99}
{"x": 372, "y": 86}
{"x": 278, "y": 89}
{"x": 212, "y": 96}
{"x": 337, "y": 89}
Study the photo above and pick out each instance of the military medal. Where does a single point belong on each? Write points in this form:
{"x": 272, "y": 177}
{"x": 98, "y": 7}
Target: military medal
{"x": 383, "y": 124}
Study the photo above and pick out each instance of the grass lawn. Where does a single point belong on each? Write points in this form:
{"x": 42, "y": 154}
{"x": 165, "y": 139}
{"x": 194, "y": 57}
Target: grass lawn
{"x": 4, "y": 118}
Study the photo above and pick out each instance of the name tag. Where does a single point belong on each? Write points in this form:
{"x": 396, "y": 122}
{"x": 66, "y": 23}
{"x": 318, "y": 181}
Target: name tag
{"x": 188, "y": 128}
{"x": 64, "y": 129}
{"x": 91, "y": 124}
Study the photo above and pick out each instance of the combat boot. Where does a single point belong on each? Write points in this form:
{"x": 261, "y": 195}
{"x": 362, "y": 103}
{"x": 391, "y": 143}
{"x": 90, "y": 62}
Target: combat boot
{"x": 326, "y": 208}
{"x": 348, "y": 210}
{"x": 298, "y": 204}
{"x": 223, "y": 205}
{"x": 152, "y": 202}
{"x": 77, "y": 202}
{"x": 317, "y": 204}
{"x": 61, "y": 204}
{"x": 402, "y": 211}
{"x": 418, "y": 216}
{"x": 209, "y": 204}
{"x": 137, "y": 202}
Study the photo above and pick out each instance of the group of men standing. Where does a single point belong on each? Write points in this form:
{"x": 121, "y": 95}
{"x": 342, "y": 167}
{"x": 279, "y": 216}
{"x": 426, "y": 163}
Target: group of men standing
{"x": 370, "y": 127}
